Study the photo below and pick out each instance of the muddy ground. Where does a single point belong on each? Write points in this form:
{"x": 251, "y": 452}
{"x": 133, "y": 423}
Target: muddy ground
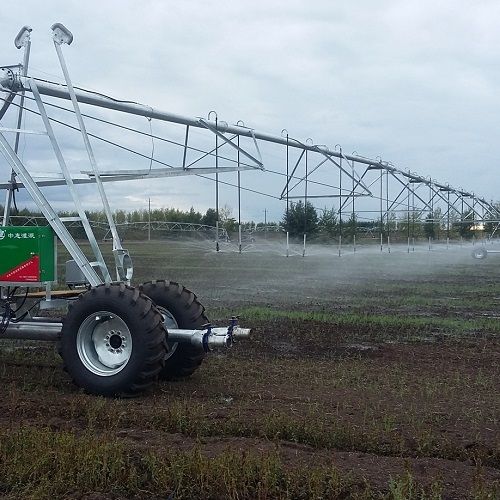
{"x": 384, "y": 366}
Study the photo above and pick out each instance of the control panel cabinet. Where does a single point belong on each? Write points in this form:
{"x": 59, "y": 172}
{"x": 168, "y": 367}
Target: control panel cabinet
{"x": 27, "y": 255}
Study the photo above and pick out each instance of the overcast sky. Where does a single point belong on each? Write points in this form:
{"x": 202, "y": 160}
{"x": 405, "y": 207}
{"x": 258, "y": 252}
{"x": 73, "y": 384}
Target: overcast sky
{"x": 416, "y": 83}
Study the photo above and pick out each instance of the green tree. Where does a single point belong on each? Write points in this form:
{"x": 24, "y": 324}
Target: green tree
{"x": 210, "y": 217}
{"x": 300, "y": 218}
{"x": 464, "y": 226}
{"x": 349, "y": 228}
{"x": 328, "y": 222}
{"x": 194, "y": 217}
{"x": 227, "y": 222}
{"x": 429, "y": 226}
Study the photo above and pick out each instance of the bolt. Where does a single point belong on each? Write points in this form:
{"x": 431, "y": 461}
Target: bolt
{"x": 107, "y": 344}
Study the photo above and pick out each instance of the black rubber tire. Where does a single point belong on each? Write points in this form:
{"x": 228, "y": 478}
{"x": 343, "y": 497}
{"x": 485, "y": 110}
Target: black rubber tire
{"x": 146, "y": 329}
{"x": 480, "y": 253}
{"x": 188, "y": 313}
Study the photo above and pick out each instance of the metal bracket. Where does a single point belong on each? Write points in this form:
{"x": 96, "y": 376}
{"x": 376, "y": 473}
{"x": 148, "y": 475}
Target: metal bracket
{"x": 210, "y": 127}
{"x": 23, "y": 37}
{"x": 61, "y": 34}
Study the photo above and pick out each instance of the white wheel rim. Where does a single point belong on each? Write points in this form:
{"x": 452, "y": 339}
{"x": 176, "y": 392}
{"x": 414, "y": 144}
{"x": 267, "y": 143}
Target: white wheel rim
{"x": 104, "y": 343}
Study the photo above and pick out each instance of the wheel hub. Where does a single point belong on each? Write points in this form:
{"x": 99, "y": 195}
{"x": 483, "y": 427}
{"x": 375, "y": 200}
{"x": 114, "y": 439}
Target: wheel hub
{"x": 104, "y": 343}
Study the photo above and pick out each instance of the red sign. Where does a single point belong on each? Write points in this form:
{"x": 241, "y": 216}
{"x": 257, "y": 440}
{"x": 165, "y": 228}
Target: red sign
{"x": 28, "y": 271}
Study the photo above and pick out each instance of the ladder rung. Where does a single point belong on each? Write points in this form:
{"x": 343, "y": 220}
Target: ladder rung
{"x": 95, "y": 264}
{"x": 70, "y": 219}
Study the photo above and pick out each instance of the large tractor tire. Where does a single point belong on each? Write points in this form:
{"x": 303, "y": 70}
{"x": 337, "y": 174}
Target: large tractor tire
{"x": 113, "y": 341}
{"x": 180, "y": 309}
{"x": 480, "y": 253}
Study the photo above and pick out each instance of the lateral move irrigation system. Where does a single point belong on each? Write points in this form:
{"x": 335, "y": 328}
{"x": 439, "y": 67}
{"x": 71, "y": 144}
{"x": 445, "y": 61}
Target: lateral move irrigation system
{"x": 116, "y": 338}
{"x": 363, "y": 188}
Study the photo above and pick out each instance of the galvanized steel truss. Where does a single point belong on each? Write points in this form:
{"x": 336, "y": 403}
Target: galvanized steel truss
{"x": 309, "y": 171}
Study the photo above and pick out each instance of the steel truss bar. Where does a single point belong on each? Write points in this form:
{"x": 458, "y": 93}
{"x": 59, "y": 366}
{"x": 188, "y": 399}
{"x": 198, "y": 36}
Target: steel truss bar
{"x": 228, "y": 141}
{"x": 359, "y": 182}
{"x": 60, "y": 37}
{"x": 22, "y": 131}
{"x": 69, "y": 181}
{"x": 123, "y": 127}
{"x": 352, "y": 191}
{"x": 357, "y": 195}
{"x": 185, "y": 147}
{"x": 309, "y": 173}
{"x": 146, "y": 174}
{"x": 389, "y": 209}
{"x": 112, "y": 143}
{"x": 286, "y": 188}
{"x": 22, "y": 40}
{"x": 446, "y": 200}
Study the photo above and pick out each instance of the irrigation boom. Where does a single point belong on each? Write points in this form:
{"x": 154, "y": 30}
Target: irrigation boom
{"x": 19, "y": 83}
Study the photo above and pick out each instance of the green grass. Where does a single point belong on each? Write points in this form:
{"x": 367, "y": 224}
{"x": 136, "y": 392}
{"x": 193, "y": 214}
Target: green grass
{"x": 371, "y": 321}
{"x": 37, "y": 463}
{"x": 40, "y": 463}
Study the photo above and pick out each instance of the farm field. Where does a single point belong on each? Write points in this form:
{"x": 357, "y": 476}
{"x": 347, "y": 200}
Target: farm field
{"x": 367, "y": 376}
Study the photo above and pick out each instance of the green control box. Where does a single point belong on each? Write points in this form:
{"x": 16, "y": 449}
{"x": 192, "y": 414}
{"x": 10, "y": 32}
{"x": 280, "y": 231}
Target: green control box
{"x": 27, "y": 254}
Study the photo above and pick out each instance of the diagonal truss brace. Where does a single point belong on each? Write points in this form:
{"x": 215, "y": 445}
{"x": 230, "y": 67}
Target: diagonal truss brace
{"x": 258, "y": 162}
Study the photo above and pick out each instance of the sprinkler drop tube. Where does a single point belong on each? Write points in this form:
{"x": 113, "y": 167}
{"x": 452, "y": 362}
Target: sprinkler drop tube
{"x": 287, "y": 244}
{"x": 239, "y": 238}
{"x": 304, "y": 249}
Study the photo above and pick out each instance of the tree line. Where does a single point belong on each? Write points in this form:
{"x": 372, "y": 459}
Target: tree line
{"x": 303, "y": 218}
{"x": 298, "y": 219}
